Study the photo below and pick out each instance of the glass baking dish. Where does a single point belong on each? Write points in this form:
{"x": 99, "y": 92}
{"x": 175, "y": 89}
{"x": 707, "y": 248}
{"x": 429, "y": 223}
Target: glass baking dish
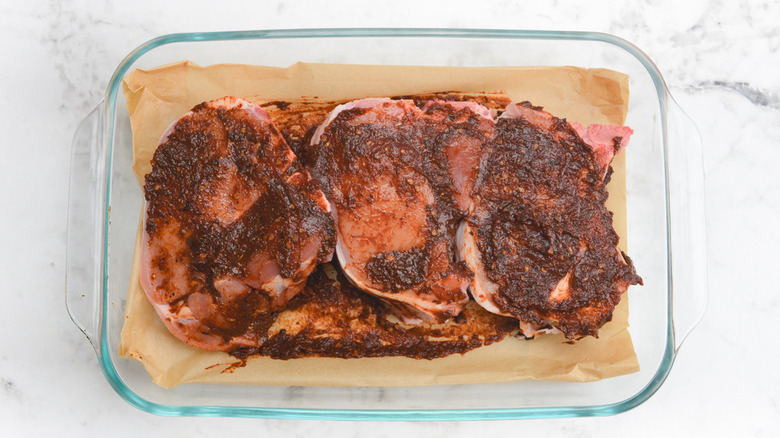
{"x": 665, "y": 235}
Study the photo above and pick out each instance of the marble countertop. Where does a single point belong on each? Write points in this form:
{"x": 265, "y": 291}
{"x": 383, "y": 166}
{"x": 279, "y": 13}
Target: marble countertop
{"x": 721, "y": 60}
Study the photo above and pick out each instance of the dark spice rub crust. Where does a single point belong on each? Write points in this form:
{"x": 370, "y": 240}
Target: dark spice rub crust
{"x": 384, "y": 166}
{"x": 233, "y": 225}
{"x": 297, "y": 120}
{"x": 544, "y": 234}
{"x": 332, "y": 318}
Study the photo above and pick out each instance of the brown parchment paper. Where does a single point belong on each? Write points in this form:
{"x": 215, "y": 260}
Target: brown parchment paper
{"x": 157, "y": 97}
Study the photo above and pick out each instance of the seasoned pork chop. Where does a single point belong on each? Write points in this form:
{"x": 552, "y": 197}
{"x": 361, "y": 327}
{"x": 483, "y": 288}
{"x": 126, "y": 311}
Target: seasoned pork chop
{"x": 540, "y": 239}
{"x": 233, "y": 225}
{"x": 384, "y": 165}
{"x": 333, "y": 318}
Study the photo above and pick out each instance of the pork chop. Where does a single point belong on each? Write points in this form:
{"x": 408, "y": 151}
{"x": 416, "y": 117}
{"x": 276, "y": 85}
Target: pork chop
{"x": 333, "y": 318}
{"x": 384, "y": 165}
{"x": 233, "y": 225}
{"x": 540, "y": 240}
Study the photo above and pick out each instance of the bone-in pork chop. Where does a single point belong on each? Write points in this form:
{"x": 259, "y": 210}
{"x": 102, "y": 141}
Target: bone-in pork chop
{"x": 384, "y": 165}
{"x": 233, "y": 225}
{"x": 333, "y": 318}
{"x": 540, "y": 239}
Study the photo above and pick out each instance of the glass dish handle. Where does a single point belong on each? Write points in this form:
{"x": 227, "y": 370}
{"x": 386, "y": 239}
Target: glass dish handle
{"x": 86, "y": 198}
{"x": 688, "y": 226}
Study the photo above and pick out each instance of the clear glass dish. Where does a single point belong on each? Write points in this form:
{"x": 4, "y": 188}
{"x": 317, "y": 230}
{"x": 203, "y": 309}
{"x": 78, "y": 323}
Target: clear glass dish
{"x": 665, "y": 216}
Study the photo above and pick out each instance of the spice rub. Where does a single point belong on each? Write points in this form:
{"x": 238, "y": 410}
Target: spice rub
{"x": 233, "y": 225}
{"x": 333, "y": 318}
{"x": 541, "y": 241}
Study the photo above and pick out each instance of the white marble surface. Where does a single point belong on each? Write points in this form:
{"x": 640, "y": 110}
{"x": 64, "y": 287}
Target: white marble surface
{"x": 721, "y": 60}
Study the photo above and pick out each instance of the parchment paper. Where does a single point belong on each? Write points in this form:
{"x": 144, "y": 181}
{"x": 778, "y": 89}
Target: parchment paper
{"x": 157, "y": 97}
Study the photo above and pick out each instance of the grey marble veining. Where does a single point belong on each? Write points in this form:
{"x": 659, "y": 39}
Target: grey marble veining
{"x": 721, "y": 60}
{"x": 756, "y": 96}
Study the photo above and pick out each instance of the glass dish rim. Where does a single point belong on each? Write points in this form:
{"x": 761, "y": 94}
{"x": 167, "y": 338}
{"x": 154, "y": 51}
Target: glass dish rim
{"x": 139, "y": 402}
